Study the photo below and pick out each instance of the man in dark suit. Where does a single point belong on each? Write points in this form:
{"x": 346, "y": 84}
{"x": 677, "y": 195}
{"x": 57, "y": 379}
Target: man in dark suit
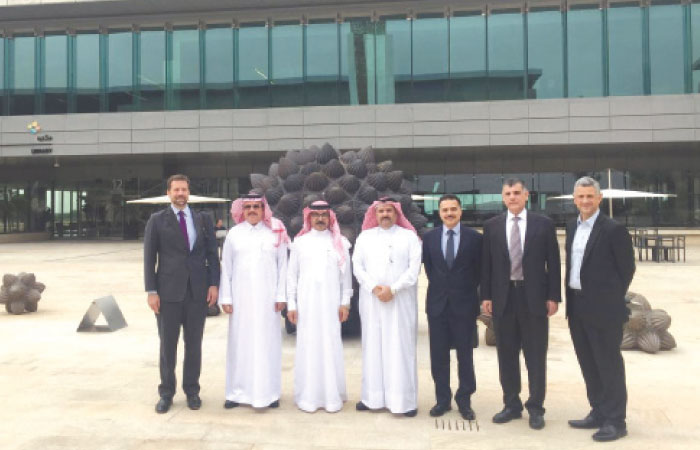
{"x": 452, "y": 259}
{"x": 181, "y": 272}
{"x": 521, "y": 289}
{"x": 599, "y": 270}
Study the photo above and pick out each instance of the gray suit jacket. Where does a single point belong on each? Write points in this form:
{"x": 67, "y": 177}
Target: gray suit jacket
{"x": 168, "y": 263}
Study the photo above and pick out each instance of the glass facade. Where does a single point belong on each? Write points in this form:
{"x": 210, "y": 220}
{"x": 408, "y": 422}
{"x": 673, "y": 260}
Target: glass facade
{"x": 585, "y": 51}
{"x": 86, "y": 196}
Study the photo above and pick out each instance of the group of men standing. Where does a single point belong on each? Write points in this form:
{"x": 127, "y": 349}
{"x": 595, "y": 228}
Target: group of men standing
{"x": 515, "y": 264}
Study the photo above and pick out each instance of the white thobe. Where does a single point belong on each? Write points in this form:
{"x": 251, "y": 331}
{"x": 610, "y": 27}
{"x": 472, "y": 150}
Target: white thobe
{"x": 253, "y": 275}
{"x": 389, "y": 257}
{"x": 316, "y": 288}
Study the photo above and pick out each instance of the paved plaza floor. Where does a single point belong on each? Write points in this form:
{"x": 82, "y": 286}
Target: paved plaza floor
{"x": 60, "y": 389}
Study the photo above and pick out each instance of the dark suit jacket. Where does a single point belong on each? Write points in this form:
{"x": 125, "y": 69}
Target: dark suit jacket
{"x": 169, "y": 264}
{"x": 454, "y": 288}
{"x": 606, "y": 272}
{"x": 541, "y": 263}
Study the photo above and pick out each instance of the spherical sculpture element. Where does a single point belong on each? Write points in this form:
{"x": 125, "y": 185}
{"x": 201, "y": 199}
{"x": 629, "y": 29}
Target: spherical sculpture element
{"x": 316, "y": 182}
{"x": 20, "y": 292}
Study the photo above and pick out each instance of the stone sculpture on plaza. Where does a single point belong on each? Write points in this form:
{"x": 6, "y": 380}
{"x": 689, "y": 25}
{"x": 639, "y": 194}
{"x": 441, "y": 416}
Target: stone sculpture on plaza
{"x": 349, "y": 182}
{"x": 20, "y": 293}
{"x": 647, "y": 329}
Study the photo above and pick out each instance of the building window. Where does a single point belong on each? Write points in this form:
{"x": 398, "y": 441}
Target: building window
{"x": 545, "y": 54}
{"x": 218, "y": 67}
{"x": 120, "y": 71}
{"x": 626, "y": 47}
{"x": 252, "y": 66}
{"x": 667, "y": 49}
{"x": 151, "y": 75}
{"x": 23, "y": 73}
{"x": 430, "y": 52}
{"x": 287, "y": 71}
{"x": 468, "y": 75}
{"x": 183, "y": 61}
{"x": 322, "y": 64}
{"x": 393, "y": 60}
{"x": 87, "y": 73}
{"x": 357, "y": 62}
{"x": 506, "y": 59}
{"x": 55, "y": 70}
{"x": 585, "y": 52}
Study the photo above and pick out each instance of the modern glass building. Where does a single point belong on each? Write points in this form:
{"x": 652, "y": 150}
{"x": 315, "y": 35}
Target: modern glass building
{"x": 101, "y": 100}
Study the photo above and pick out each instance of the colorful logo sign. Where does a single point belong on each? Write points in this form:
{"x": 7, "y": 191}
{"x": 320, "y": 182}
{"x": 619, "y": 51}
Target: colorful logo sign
{"x": 34, "y": 127}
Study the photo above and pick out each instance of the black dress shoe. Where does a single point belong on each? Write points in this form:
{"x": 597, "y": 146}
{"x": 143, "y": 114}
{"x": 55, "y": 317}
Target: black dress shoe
{"x": 506, "y": 415}
{"x": 229, "y": 404}
{"x": 361, "y": 406}
{"x": 194, "y": 402}
{"x": 609, "y": 432}
{"x": 467, "y": 413}
{"x": 275, "y": 404}
{"x": 163, "y": 405}
{"x": 439, "y": 409}
{"x": 536, "y": 421}
{"x": 411, "y": 413}
{"x": 589, "y": 422}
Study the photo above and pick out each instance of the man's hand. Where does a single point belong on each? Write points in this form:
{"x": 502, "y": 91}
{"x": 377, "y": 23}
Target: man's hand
{"x": 279, "y": 306}
{"x": 154, "y": 302}
{"x": 487, "y": 307}
{"x": 228, "y": 309}
{"x": 552, "y": 308}
{"x": 292, "y": 316}
{"x": 343, "y": 313}
{"x": 385, "y": 295}
{"x": 212, "y": 295}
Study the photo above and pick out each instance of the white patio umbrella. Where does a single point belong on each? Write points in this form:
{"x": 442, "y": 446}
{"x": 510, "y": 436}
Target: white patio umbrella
{"x": 610, "y": 194}
{"x": 163, "y": 199}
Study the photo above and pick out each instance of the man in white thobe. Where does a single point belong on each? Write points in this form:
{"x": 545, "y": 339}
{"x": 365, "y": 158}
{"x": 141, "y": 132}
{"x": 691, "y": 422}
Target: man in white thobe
{"x": 254, "y": 266}
{"x": 319, "y": 288}
{"x": 386, "y": 263}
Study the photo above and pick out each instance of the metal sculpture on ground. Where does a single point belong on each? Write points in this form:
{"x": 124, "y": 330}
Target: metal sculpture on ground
{"x": 20, "y": 293}
{"x": 647, "y": 329}
{"x": 348, "y": 181}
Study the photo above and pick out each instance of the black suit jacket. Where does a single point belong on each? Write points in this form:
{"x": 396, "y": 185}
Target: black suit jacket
{"x": 541, "y": 263}
{"x": 454, "y": 288}
{"x": 606, "y": 272}
{"x": 169, "y": 265}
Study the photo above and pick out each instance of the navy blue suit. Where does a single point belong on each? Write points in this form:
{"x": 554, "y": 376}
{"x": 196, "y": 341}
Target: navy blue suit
{"x": 452, "y": 305}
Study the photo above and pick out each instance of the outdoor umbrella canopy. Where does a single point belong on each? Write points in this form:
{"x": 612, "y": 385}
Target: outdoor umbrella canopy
{"x": 163, "y": 199}
{"x": 620, "y": 193}
{"x": 611, "y": 194}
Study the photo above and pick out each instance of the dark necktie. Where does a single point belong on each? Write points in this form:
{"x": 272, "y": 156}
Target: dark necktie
{"x": 183, "y": 228}
{"x": 516, "y": 252}
{"x": 450, "y": 250}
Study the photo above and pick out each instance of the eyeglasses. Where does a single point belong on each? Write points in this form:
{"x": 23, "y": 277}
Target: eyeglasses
{"x": 252, "y": 206}
{"x": 316, "y": 215}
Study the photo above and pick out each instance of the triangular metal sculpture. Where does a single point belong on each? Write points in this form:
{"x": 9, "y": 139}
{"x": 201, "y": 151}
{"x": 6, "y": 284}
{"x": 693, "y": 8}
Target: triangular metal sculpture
{"x": 107, "y": 306}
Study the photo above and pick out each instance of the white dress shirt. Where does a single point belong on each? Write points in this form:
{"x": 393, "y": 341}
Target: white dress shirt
{"x": 455, "y": 238}
{"x": 522, "y": 226}
{"x": 578, "y": 248}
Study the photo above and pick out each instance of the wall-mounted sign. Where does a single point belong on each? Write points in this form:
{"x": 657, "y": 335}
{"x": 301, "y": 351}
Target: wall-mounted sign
{"x": 42, "y": 150}
{"x": 44, "y": 138}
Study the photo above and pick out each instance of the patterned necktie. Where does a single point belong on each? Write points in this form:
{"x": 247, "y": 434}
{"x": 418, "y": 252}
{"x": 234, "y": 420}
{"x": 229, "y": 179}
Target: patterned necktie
{"x": 516, "y": 252}
{"x": 183, "y": 228}
{"x": 450, "y": 250}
